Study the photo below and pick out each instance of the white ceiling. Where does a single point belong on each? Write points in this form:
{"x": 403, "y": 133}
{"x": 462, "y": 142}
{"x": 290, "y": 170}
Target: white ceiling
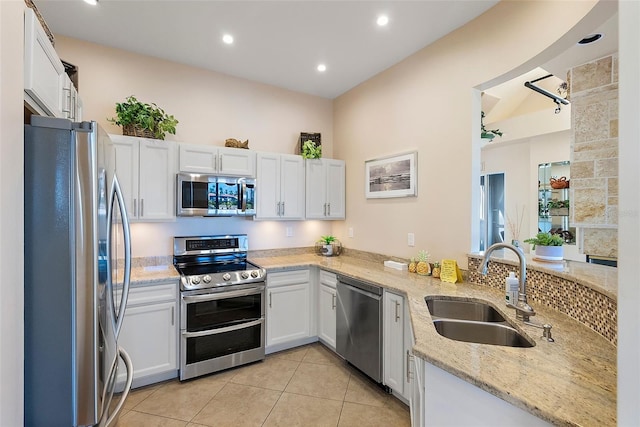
{"x": 276, "y": 42}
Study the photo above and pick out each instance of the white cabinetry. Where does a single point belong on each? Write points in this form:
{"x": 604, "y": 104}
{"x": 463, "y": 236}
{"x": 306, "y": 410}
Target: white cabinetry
{"x": 327, "y": 299}
{"x": 280, "y": 186}
{"x": 70, "y": 103}
{"x": 217, "y": 160}
{"x": 289, "y": 310}
{"x": 147, "y": 171}
{"x": 325, "y": 189}
{"x": 43, "y": 71}
{"x": 395, "y": 357}
{"x": 149, "y": 333}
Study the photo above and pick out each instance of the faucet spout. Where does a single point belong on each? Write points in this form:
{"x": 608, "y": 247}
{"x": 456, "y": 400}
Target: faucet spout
{"x": 523, "y": 309}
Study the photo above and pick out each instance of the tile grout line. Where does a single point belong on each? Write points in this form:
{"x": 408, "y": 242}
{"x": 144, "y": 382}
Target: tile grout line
{"x": 299, "y": 362}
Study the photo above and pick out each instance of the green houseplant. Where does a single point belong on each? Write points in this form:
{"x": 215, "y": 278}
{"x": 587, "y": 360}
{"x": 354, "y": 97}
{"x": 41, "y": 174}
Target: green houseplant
{"x": 141, "y": 119}
{"x": 311, "y": 151}
{"x": 327, "y": 244}
{"x": 548, "y": 247}
{"x": 487, "y": 133}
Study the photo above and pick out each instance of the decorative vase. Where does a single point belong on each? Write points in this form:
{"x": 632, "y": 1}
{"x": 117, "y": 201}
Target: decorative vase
{"x": 549, "y": 253}
{"x": 327, "y": 250}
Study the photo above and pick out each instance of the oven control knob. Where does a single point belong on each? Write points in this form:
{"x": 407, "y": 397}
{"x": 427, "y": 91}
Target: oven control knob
{"x": 244, "y": 275}
{"x": 254, "y": 273}
{"x": 206, "y": 279}
{"x": 195, "y": 280}
{"x": 226, "y": 276}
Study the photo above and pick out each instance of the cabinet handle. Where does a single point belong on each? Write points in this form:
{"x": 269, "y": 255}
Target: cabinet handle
{"x": 141, "y": 208}
{"x": 328, "y": 209}
{"x": 397, "y": 315}
{"x": 278, "y": 209}
{"x": 135, "y": 207}
{"x": 173, "y": 320}
{"x": 324, "y": 213}
{"x": 333, "y": 301}
{"x": 408, "y": 366}
{"x": 282, "y": 208}
{"x": 270, "y": 306}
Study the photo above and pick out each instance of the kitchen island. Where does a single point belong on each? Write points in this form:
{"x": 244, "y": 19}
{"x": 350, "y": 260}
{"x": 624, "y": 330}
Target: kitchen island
{"x": 571, "y": 381}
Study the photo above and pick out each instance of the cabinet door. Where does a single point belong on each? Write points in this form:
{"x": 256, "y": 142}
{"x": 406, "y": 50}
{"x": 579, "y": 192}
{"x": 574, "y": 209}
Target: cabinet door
{"x": 157, "y": 179}
{"x": 198, "y": 158}
{"x": 287, "y": 313}
{"x": 327, "y": 315}
{"x": 68, "y": 98}
{"x": 149, "y": 335}
{"x": 316, "y": 182}
{"x": 292, "y": 187}
{"x": 335, "y": 189}
{"x": 408, "y": 354}
{"x": 236, "y": 162}
{"x": 43, "y": 70}
{"x": 268, "y": 186}
{"x": 125, "y": 153}
{"x": 394, "y": 346}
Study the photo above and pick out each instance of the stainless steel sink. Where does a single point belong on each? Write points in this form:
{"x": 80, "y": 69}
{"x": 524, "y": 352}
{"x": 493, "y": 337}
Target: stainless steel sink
{"x": 481, "y": 332}
{"x": 463, "y": 310}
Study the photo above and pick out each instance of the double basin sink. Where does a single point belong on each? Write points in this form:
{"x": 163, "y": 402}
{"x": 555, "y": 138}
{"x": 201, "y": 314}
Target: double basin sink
{"x": 473, "y": 321}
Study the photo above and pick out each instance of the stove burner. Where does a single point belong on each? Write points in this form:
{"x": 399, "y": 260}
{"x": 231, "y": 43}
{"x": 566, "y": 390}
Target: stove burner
{"x": 214, "y": 262}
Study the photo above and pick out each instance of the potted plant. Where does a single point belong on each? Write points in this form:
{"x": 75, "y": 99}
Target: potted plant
{"x": 558, "y": 207}
{"x": 141, "y": 119}
{"x": 548, "y": 246}
{"x": 488, "y": 133}
{"x": 327, "y": 247}
{"x": 311, "y": 151}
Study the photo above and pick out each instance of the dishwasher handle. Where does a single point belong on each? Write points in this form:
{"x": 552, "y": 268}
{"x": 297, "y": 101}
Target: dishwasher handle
{"x": 369, "y": 288}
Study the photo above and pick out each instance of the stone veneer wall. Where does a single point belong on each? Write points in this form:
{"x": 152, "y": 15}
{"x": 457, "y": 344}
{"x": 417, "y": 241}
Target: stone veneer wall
{"x": 593, "y": 89}
{"x": 591, "y": 308}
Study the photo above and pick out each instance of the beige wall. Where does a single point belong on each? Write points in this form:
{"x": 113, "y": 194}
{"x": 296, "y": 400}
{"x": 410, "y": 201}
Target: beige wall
{"x": 211, "y": 107}
{"x": 11, "y": 213}
{"x": 427, "y": 103}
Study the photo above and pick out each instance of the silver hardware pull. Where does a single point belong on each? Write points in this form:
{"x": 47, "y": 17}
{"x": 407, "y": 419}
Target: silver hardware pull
{"x": 141, "y": 207}
{"x": 408, "y": 366}
{"x": 270, "y": 306}
{"x": 135, "y": 207}
{"x": 324, "y": 213}
{"x": 333, "y": 301}
{"x": 397, "y": 315}
{"x": 328, "y": 209}
{"x": 282, "y": 208}
{"x": 172, "y": 316}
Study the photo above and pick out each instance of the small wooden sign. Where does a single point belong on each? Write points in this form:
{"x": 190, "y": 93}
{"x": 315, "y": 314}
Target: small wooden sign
{"x": 450, "y": 272}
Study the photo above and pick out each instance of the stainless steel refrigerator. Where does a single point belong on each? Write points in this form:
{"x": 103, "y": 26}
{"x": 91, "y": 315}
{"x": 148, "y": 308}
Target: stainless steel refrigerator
{"x": 75, "y": 293}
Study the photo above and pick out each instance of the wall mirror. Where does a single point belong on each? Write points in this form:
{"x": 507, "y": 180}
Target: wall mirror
{"x": 554, "y": 205}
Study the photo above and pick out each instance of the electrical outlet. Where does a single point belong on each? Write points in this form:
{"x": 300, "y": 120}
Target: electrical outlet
{"x": 289, "y": 231}
{"x": 350, "y": 232}
{"x": 411, "y": 239}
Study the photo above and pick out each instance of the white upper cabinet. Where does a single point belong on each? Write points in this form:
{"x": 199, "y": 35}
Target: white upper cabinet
{"x": 147, "y": 171}
{"x": 43, "y": 71}
{"x": 70, "y": 102}
{"x": 280, "y": 186}
{"x": 196, "y": 158}
{"x": 325, "y": 189}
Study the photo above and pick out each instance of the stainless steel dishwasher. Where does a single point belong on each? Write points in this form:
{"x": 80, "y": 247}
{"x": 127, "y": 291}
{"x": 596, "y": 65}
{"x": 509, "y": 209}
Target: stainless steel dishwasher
{"x": 359, "y": 325}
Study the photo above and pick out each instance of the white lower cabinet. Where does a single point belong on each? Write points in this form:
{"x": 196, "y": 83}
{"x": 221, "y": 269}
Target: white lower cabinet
{"x": 395, "y": 347}
{"x": 327, "y": 299}
{"x": 290, "y": 312}
{"x": 149, "y": 333}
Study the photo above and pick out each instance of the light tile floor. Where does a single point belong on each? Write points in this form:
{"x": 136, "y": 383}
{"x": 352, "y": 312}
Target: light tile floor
{"x": 307, "y": 386}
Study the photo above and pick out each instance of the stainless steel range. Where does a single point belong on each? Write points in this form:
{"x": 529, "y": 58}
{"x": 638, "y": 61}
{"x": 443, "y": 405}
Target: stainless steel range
{"x": 222, "y": 304}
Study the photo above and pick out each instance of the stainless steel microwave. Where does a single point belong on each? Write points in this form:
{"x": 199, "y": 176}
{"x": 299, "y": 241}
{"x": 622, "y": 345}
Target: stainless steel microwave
{"x": 211, "y": 195}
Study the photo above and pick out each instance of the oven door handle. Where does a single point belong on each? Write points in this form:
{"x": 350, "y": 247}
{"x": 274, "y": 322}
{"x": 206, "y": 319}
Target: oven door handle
{"x": 221, "y": 295}
{"x": 223, "y": 330}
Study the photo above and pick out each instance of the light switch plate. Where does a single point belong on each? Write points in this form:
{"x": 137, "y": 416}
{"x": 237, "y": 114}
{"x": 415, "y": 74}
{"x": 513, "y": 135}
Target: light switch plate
{"x": 411, "y": 239}
{"x": 289, "y": 231}
{"x": 350, "y": 232}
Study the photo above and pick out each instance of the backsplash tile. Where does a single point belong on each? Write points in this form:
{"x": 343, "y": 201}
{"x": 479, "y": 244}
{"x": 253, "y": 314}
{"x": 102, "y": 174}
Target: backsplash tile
{"x": 591, "y": 308}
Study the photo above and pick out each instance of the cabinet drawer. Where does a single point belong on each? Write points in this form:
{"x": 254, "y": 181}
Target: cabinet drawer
{"x": 287, "y": 278}
{"x": 152, "y": 293}
{"x": 329, "y": 279}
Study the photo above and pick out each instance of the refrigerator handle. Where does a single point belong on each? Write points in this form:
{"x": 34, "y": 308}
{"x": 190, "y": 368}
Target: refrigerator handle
{"x": 109, "y": 417}
{"x": 116, "y": 192}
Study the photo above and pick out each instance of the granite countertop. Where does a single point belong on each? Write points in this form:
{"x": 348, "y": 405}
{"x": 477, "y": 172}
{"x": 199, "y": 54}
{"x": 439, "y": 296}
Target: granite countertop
{"x": 152, "y": 274}
{"x": 600, "y": 278}
{"x": 569, "y": 382}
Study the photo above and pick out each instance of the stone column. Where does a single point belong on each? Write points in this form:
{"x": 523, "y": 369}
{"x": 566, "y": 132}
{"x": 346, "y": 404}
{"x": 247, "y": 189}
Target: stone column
{"x": 593, "y": 89}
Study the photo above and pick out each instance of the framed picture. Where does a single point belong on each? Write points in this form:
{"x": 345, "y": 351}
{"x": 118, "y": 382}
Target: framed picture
{"x": 393, "y": 176}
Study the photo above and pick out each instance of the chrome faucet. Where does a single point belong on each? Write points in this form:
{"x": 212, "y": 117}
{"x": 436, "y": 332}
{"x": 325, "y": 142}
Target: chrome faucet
{"x": 523, "y": 310}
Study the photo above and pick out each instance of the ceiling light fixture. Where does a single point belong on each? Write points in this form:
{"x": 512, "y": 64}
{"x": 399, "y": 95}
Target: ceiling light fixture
{"x": 227, "y": 39}
{"x": 591, "y": 38}
{"x": 322, "y": 68}
{"x": 382, "y": 20}
{"x": 91, "y": 2}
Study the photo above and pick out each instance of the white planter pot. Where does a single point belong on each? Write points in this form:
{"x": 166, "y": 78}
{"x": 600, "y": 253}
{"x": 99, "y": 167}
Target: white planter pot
{"x": 549, "y": 253}
{"x": 327, "y": 250}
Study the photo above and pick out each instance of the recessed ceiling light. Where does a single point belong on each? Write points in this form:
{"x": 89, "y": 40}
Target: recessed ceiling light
{"x": 382, "y": 20}
{"x": 322, "y": 68}
{"x": 227, "y": 38}
{"x": 591, "y": 38}
{"x": 91, "y": 2}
